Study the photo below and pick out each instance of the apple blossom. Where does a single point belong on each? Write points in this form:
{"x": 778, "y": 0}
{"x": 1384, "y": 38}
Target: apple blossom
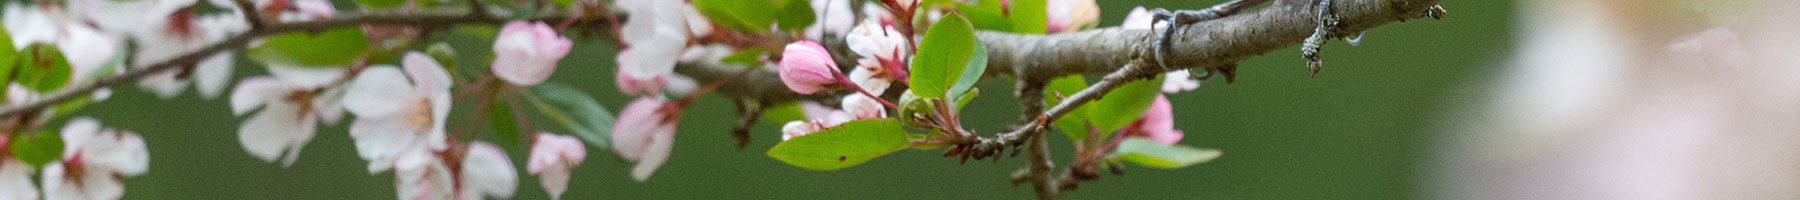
{"x": 290, "y": 113}
{"x": 484, "y": 170}
{"x": 1157, "y": 124}
{"x": 807, "y": 68}
{"x": 799, "y": 128}
{"x": 15, "y": 177}
{"x": 525, "y": 53}
{"x": 874, "y": 39}
{"x": 93, "y": 161}
{"x": 398, "y": 121}
{"x": 1070, "y": 15}
{"x": 552, "y": 156}
{"x": 645, "y": 133}
{"x": 86, "y": 49}
{"x": 655, "y": 35}
{"x": 211, "y": 74}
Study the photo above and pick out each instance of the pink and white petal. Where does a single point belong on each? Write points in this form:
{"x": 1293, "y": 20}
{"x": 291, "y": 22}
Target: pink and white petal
{"x": 488, "y": 171}
{"x": 56, "y": 184}
{"x": 253, "y": 92}
{"x": 123, "y": 152}
{"x": 212, "y": 74}
{"x": 426, "y": 72}
{"x": 15, "y": 180}
{"x": 328, "y": 105}
{"x": 379, "y": 91}
{"x": 101, "y": 184}
{"x": 279, "y": 127}
{"x": 555, "y": 180}
{"x": 658, "y": 152}
{"x": 382, "y": 138}
{"x": 440, "y": 110}
{"x": 77, "y": 133}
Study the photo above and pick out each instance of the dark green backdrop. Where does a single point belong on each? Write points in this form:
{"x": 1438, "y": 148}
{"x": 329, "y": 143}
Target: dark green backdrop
{"x": 1360, "y": 130}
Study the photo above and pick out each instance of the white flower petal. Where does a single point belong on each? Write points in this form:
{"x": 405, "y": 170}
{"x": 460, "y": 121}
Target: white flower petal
{"x": 655, "y": 154}
{"x": 486, "y": 170}
{"x": 15, "y": 180}
{"x": 212, "y": 74}
{"x": 279, "y": 127}
{"x": 253, "y": 92}
{"x": 379, "y": 91}
{"x": 100, "y": 184}
{"x": 426, "y": 73}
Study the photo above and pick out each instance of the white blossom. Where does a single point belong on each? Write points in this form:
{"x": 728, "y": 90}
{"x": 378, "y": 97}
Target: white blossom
{"x": 399, "y": 122}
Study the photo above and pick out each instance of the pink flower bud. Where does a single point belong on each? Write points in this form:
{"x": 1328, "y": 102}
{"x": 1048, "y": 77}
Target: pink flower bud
{"x": 1157, "y": 123}
{"x": 552, "y": 156}
{"x": 645, "y": 133}
{"x": 807, "y": 68}
{"x": 526, "y": 53}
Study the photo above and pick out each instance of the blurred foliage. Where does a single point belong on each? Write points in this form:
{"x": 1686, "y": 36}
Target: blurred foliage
{"x": 1360, "y": 130}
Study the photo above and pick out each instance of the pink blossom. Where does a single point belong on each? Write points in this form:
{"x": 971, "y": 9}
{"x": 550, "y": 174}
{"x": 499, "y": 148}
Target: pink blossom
{"x": 645, "y": 133}
{"x": 552, "y": 156}
{"x": 799, "y": 128}
{"x": 526, "y": 53}
{"x": 1070, "y": 15}
{"x": 807, "y": 68}
{"x": 1157, "y": 124}
{"x": 874, "y": 39}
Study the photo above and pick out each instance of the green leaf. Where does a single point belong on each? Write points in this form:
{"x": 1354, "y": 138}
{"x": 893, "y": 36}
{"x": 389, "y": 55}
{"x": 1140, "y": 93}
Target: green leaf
{"x": 1029, "y": 16}
{"x": 42, "y": 68}
{"x": 970, "y": 73}
{"x": 477, "y": 30}
{"x": 1074, "y": 123}
{"x": 945, "y": 51}
{"x": 843, "y": 146}
{"x": 749, "y": 57}
{"x": 505, "y": 126}
{"x": 381, "y": 4}
{"x": 577, "y": 111}
{"x": 37, "y": 149}
{"x": 1123, "y": 105}
{"x": 782, "y": 114}
{"x": 796, "y": 15}
{"x": 986, "y": 15}
{"x": 1151, "y": 154}
{"x": 753, "y": 16}
{"x": 333, "y": 48}
{"x": 966, "y": 97}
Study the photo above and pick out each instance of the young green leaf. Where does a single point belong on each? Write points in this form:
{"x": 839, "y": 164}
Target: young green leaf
{"x": 37, "y": 149}
{"x": 1123, "y": 105}
{"x": 843, "y": 146}
{"x": 575, "y": 110}
{"x": 943, "y": 53}
{"x": 749, "y": 57}
{"x": 1029, "y": 16}
{"x": 1151, "y": 154}
{"x": 381, "y": 4}
{"x": 1074, "y": 123}
{"x": 505, "y": 126}
{"x": 796, "y": 15}
{"x": 43, "y": 68}
{"x": 753, "y": 16}
{"x": 986, "y": 15}
{"x": 332, "y": 48}
{"x": 970, "y": 73}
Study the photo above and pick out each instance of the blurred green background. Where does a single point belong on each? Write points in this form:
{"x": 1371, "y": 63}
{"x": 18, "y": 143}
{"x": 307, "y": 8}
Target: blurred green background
{"x": 1361, "y": 129}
